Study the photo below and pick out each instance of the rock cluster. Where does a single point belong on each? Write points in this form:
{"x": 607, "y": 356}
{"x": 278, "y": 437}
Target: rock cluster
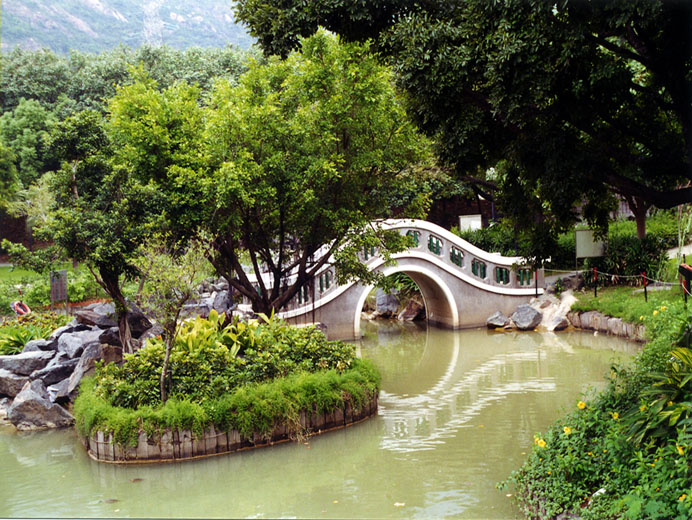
{"x": 47, "y": 373}
{"x": 547, "y": 312}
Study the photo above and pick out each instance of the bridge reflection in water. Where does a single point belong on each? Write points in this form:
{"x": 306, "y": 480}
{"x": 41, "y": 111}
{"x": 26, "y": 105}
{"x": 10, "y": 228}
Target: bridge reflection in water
{"x": 465, "y": 379}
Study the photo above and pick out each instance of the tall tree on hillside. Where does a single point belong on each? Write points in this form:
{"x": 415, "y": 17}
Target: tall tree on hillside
{"x": 293, "y": 165}
{"x": 570, "y": 102}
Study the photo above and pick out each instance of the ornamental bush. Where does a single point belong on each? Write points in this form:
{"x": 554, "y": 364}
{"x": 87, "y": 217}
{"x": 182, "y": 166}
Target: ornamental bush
{"x": 251, "y": 408}
{"x": 209, "y": 360}
{"x": 626, "y": 452}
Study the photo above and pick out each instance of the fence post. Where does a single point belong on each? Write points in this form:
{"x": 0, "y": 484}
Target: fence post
{"x": 646, "y": 298}
{"x": 595, "y": 282}
{"x": 535, "y": 277}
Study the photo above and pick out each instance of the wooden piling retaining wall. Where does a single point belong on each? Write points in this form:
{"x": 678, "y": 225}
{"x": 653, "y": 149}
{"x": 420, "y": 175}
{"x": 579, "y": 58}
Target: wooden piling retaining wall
{"x": 179, "y": 445}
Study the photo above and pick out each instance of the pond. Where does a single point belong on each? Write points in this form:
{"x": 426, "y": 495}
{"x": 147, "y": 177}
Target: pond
{"x": 458, "y": 411}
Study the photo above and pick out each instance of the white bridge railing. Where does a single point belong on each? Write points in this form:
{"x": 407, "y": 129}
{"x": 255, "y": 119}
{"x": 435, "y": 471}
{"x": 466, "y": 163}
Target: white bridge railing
{"x": 487, "y": 271}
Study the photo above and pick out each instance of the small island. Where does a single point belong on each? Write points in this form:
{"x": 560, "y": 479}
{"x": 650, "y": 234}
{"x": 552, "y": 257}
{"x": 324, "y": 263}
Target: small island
{"x": 232, "y": 387}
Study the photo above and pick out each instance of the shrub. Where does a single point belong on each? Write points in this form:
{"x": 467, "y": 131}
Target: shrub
{"x": 250, "y": 408}
{"x": 204, "y": 362}
{"x": 15, "y": 333}
{"x": 625, "y": 453}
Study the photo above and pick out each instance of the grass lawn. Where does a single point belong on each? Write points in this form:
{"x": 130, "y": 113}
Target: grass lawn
{"x": 625, "y": 303}
{"x": 8, "y": 273}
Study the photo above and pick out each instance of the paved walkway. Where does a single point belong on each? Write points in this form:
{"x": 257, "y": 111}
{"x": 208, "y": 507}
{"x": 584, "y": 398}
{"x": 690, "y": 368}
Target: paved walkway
{"x": 686, "y": 250}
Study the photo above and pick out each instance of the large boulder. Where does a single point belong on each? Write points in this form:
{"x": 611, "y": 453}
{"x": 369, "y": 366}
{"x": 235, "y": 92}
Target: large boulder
{"x": 110, "y": 337}
{"x": 94, "y": 319}
{"x": 497, "y": 320}
{"x": 413, "y": 311}
{"x": 40, "y": 345}
{"x": 526, "y": 317}
{"x": 32, "y": 409}
{"x": 138, "y": 322}
{"x": 26, "y": 362}
{"x": 59, "y": 368}
{"x": 10, "y": 383}
{"x": 387, "y": 304}
{"x": 74, "y": 343}
{"x": 86, "y": 365}
{"x": 558, "y": 323}
{"x": 222, "y": 301}
{"x": 102, "y": 309}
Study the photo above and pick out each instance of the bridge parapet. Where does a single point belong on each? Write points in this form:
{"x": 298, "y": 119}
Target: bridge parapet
{"x": 489, "y": 272}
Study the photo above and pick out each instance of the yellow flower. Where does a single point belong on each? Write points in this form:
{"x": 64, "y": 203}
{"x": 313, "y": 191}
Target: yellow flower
{"x": 670, "y": 403}
{"x": 590, "y": 454}
{"x": 641, "y": 318}
{"x": 615, "y": 415}
{"x": 541, "y": 443}
{"x": 682, "y": 497}
{"x": 680, "y": 449}
{"x": 663, "y": 307}
{"x": 549, "y": 473}
{"x": 655, "y": 312}
{"x": 567, "y": 430}
{"x": 642, "y": 408}
{"x": 581, "y": 405}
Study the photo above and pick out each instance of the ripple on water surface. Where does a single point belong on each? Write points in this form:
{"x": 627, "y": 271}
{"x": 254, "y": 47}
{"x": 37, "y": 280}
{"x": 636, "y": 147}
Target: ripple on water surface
{"x": 458, "y": 411}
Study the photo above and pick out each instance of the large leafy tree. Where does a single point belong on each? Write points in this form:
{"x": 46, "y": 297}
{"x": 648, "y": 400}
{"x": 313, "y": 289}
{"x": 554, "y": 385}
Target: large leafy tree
{"x": 101, "y": 212}
{"x": 293, "y": 164}
{"x": 567, "y": 102}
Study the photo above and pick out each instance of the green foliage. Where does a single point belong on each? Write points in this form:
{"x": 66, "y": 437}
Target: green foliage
{"x": 296, "y": 155}
{"x": 204, "y": 362}
{"x": 65, "y": 85}
{"x": 542, "y": 106}
{"x": 249, "y": 408}
{"x": 632, "y": 440}
{"x": 15, "y": 333}
{"x": 25, "y": 131}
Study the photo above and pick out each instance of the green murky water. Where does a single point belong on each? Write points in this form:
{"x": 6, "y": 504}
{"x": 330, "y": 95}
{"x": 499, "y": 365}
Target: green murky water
{"x": 458, "y": 411}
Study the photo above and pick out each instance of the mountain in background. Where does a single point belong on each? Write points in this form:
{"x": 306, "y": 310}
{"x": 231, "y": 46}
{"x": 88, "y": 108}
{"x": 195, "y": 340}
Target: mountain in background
{"x": 98, "y": 25}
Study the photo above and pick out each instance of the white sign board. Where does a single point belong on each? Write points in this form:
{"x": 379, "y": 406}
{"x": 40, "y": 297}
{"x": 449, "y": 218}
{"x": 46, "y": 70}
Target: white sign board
{"x": 586, "y": 246}
{"x": 470, "y": 222}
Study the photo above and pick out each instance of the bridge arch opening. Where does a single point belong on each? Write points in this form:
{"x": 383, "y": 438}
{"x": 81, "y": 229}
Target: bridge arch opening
{"x": 440, "y": 306}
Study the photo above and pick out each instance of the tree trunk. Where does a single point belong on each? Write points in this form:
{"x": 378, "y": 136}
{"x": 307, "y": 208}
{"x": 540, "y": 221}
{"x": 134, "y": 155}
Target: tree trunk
{"x": 164, "y": 370}
{"x": 639, "y": 207}
{"x": 110, "y": 282}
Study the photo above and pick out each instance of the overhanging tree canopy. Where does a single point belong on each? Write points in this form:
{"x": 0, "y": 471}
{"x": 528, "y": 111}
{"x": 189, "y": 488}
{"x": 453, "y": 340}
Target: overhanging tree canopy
{"x": 569, "y": 101}
{"x": 292, "y": 165}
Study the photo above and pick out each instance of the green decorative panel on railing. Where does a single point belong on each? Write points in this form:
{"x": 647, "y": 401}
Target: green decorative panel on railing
{"x": 479, "y": 268}
{"x": 415, "y": 235}
{"x": 303, "y": 294}
{"x": 502, "y": 275}
{"x": 435, "y": 244}
{"x": 524, "y": 276}
{"x": 325, "y": 281}
{"x": 369, "y": 252}
{"x": 456, "y": 256}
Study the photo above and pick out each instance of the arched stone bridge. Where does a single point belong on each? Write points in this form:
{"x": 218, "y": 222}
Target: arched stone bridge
{"x": 461, "y": 284}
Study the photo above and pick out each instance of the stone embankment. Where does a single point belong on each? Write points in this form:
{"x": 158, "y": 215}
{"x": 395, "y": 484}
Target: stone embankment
{"x": 40, "y": 382}
{"x": 179, "y": 445}
{"x": 551, "y": 313}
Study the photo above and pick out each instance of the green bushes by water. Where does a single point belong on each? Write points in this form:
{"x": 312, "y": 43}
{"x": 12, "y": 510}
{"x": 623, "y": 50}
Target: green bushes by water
{"x": 282, "y": 370}
{"x": 625, "y": 452}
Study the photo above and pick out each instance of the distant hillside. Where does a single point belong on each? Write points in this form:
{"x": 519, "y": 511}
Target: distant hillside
{"x": 97, "y": 25}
